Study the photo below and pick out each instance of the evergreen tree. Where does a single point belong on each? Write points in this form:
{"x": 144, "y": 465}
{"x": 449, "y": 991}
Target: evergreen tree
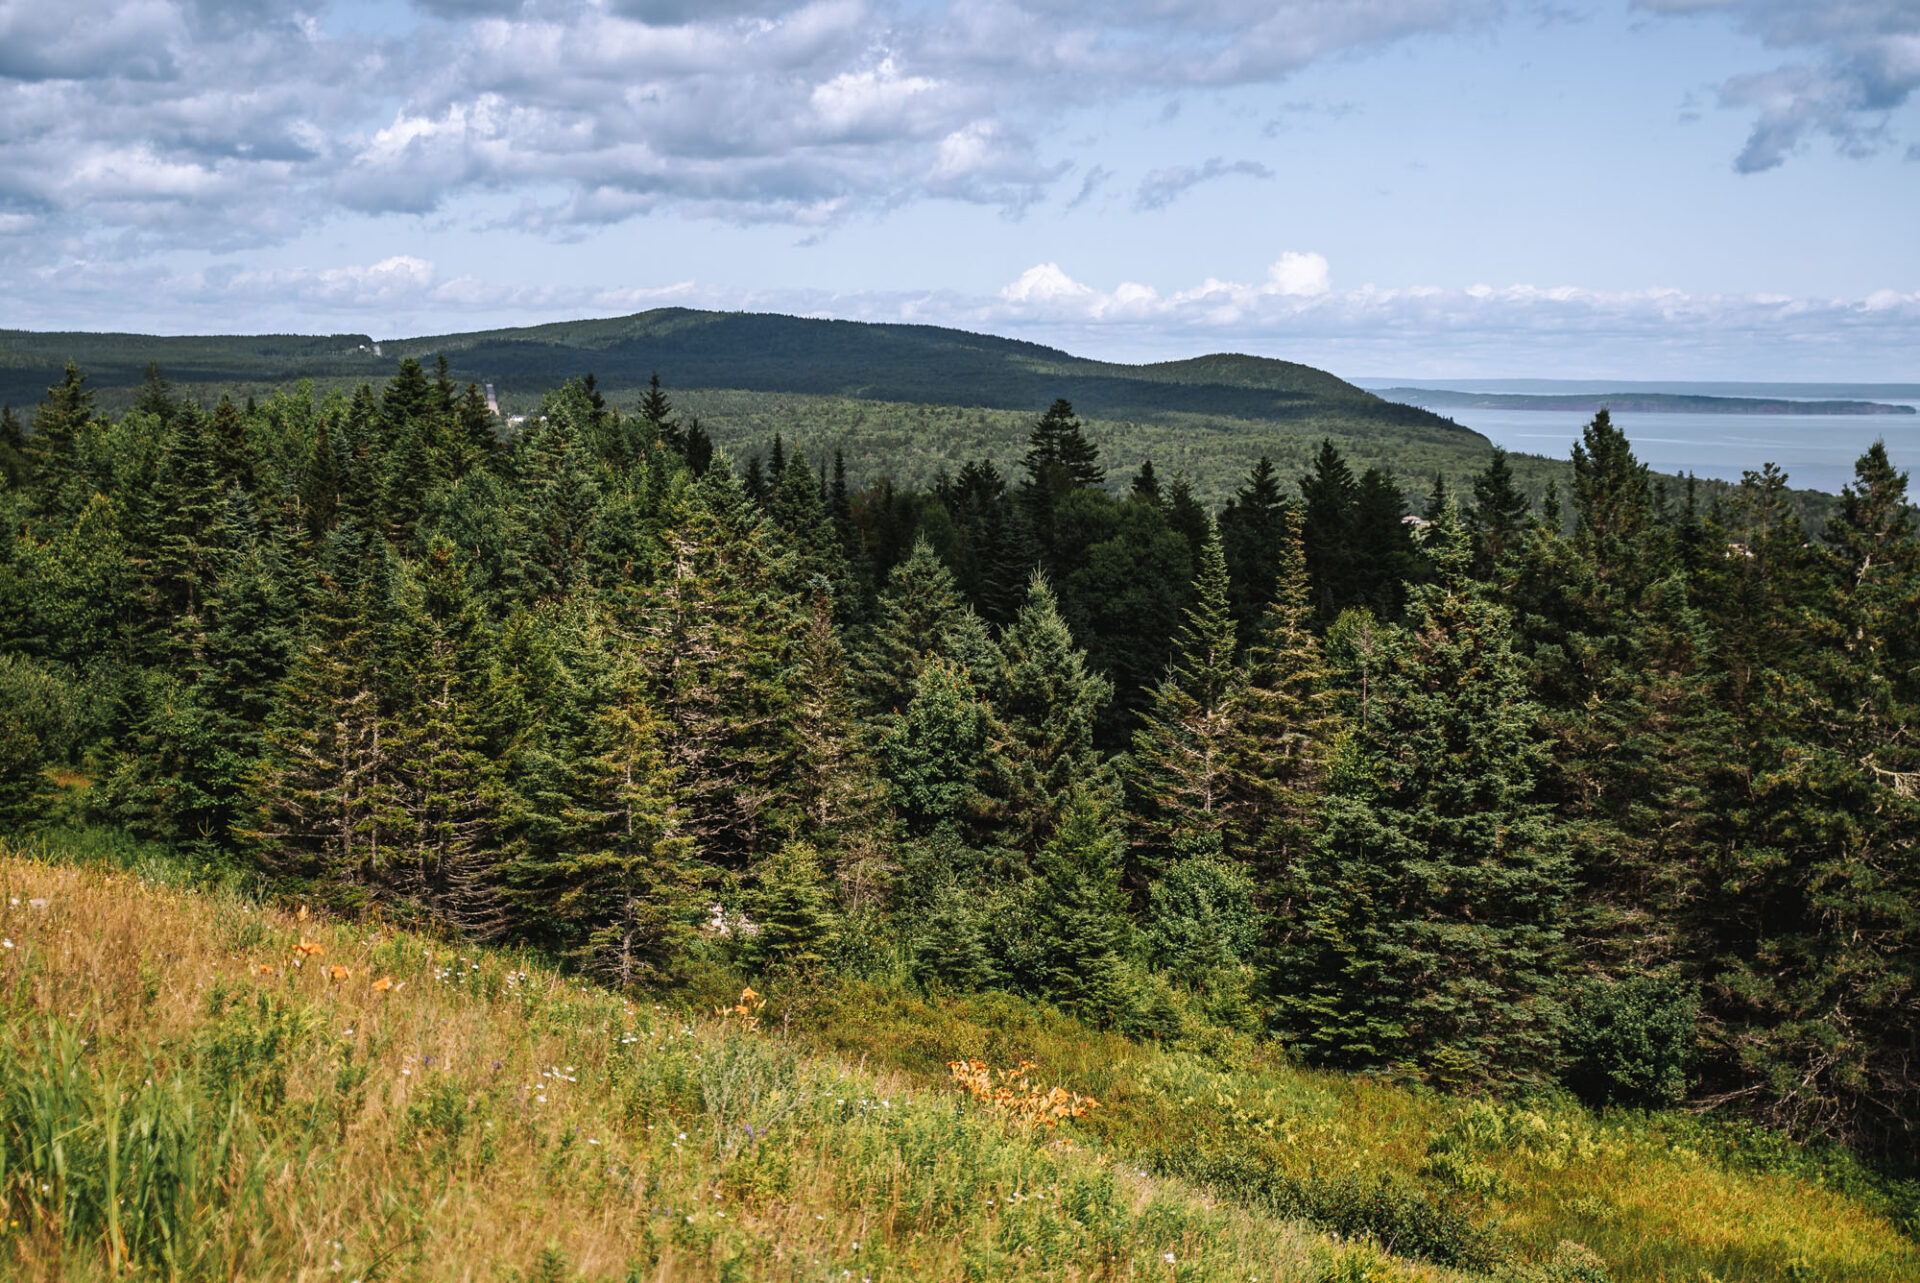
{"x": 938, "y": 756}
{"x": 1251, "y": 528}
{"x": 326, "y": 759}
{"x": 834, "y": 776}
{"x": 1500, "y": 514}
{"x": 1183, "y": 753}
{"x": 623, "y": 889}
{"x": 1058, "y": 461}
{"x": 793, "y": 909}
{"x": 919, "y": 609}
{"x": 1434, "y": 903}
{"x": 54, "y": 450}
{"x": 14, "y": 467}
{"x": 1049, "y": 701}
{"x": 1080, "y": 929}
{"x": 718, "y": 633}
{"x": 441, "y": 795}
{"x": 1285, "y": 727}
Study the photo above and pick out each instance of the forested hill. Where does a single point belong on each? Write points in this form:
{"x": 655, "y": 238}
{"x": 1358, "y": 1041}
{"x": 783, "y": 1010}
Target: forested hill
{"x": 915, "y": 364}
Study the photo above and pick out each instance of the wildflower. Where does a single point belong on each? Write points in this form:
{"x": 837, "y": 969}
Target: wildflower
{"x": 1168, "y": 1258}
{"x": 338, "y": 972}
{"x": 6, "y": 944}
{"x": 308, "y": 949}
{"x": 383, "y": 984}
{"x": 265, "y": 969}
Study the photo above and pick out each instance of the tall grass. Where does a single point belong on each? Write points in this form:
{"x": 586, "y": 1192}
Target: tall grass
{"x": 182, "y": 1097}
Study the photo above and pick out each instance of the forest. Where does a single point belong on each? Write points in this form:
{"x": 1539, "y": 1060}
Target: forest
{"x": 1617, "y": 790}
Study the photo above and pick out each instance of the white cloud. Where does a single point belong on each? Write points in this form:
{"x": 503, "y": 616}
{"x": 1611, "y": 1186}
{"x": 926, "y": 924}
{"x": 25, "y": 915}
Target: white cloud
{"x": 1862, "y": 61}
{"x": 1299, "y": 275}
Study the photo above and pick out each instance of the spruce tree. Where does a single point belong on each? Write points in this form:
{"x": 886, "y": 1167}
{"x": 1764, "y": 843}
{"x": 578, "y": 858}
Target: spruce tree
{"x": 1078, "y": 911}
{"x": 920, "y": 607}
{"x": 1285, "y": 727}
{"x": 1500, "y": 514}
{"x": 441, "y": 795}
{"x": 1434, "y": 904}
{"x": 1183, "y": 753}
{"x": 1251, "y": 528}
{"x": 622, "y": 891}
{"x": 1049, "y": 702}
{"x": 54, "y": 451}
{"x": 939, "y": 755}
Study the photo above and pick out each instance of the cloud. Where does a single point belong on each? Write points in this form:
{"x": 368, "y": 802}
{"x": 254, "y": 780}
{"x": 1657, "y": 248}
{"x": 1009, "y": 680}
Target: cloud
{"x": 1293, "y": 311}
{"x": 225, "y": 123}
{"x": 1162, "y": 187}
{"x": 1860, "y": 60}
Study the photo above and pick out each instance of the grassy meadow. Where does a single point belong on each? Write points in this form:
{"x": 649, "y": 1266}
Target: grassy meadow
{"x": 200, "y": 1083}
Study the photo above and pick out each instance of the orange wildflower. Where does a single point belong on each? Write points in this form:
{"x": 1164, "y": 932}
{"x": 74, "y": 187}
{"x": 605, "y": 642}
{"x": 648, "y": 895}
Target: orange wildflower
{"x": 266, "y": 968}
{"x": 338, "y": 972}
{"x": 383, "y": 984}
{"x": 308, "y": 949}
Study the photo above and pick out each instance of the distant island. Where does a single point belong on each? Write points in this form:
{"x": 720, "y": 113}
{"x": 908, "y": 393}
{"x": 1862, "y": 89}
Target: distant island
{"x": 1633, "y": 403}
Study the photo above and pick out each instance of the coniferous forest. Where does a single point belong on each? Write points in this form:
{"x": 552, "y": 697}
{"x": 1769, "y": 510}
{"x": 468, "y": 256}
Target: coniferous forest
{"x": 1619, "y": 792}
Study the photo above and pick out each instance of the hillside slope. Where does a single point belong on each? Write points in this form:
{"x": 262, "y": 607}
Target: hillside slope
{"x": 224, "y": 1106}
{"x": 752, "y": 352}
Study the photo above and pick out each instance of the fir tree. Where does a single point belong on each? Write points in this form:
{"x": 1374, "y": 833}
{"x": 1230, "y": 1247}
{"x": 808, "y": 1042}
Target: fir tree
{"x": 1499, "y": 516}
{"x": 1048, "y": 701}
{"x": 1080, "y": 927}
{"x": 920, "y": 607}
{"x": 1285, "y": 727}
{"x": 1183, "y": 754}
{"x": 1251, "y": 528}
{"x": 1434, "y": 902}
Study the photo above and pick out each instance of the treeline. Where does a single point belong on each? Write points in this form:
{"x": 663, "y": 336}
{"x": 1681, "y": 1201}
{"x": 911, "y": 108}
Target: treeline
{"x": 1630, "y": 801}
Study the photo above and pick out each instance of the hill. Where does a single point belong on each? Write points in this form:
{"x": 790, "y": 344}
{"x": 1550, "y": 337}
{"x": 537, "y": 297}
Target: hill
{"x": 901, "y": 399}
{"x": 196, "y": 1083}
{"x": 904, "y": 401}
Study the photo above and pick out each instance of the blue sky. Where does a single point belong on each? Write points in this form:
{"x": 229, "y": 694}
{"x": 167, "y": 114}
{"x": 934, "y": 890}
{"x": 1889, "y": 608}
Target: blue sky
{"x": 1714, "y": 189}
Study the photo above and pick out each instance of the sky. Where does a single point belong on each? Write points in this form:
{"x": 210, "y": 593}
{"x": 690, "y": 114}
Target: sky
{"x": 1653, "y": 189}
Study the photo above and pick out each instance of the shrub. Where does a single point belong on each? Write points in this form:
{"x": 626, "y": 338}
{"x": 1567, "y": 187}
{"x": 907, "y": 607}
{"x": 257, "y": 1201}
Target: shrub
{"x": 1631, "y": 1041}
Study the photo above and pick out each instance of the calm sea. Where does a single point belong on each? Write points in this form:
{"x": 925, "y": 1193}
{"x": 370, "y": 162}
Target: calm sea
{"x": 1816, "y": 451}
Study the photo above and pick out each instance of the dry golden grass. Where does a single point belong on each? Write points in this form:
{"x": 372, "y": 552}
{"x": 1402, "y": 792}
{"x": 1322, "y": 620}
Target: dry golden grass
{"x": 480, "y": 1117}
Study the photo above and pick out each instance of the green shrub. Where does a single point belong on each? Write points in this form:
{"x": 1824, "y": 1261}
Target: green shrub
{"x": 1631, "y": 1041}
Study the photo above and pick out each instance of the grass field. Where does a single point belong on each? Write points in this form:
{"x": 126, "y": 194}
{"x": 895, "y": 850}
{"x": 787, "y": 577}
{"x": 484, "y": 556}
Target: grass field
{"x": 187, "y": 1092}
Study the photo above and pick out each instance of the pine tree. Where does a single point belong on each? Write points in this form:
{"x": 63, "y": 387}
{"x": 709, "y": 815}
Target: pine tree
{"x": 1049, "y": 702}
{"x": 1434, "y": 902}
{"x": 1183, "y": 754}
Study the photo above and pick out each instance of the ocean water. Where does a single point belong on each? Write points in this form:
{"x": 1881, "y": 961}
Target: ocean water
{"x": 1817, "y": 451}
